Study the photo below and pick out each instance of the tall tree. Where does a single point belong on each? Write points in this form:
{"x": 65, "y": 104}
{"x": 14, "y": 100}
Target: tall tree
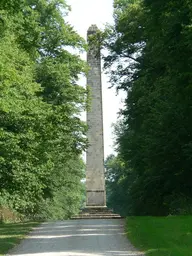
{"x": 150, "y": 58}
{"x": 42, "y": 136}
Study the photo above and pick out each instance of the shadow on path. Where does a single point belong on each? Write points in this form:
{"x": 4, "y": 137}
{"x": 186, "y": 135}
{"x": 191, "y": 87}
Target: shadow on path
{"x": 77, "y": 238}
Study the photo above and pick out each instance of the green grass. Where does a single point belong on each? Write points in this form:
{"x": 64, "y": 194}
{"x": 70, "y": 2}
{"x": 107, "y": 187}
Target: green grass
{"x": 11, "y": 234}
{"x": 161, "y": 236}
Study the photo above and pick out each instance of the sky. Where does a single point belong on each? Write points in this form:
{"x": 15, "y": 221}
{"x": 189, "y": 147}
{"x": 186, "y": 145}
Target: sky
{"x": 85, "y": 13}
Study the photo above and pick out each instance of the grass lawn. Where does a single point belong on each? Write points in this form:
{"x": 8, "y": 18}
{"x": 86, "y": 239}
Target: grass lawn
{"x": 161, "y": 236}
{"x": 11, "y": 234}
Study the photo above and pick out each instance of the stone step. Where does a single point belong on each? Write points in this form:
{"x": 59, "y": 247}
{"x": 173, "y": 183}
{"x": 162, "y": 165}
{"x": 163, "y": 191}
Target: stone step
{"x": 115, "y": 216}
{"x": 96, "y": 213}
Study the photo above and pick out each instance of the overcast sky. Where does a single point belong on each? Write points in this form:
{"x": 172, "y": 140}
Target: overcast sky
{"x": 85, "y": 13}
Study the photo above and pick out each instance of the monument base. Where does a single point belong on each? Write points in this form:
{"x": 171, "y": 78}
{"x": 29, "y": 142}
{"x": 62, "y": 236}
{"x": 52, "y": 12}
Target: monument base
{"x": 95, "y": 198}
{"x": 96, "y": 212}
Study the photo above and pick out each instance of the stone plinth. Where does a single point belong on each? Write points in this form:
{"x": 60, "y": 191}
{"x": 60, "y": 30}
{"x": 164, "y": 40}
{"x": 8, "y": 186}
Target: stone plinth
{"x": 96, "y": 212}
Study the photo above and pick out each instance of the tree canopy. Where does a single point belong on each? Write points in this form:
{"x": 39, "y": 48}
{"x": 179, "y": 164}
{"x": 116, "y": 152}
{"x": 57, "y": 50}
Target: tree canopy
{"x": 150, "y": 49}
{"x": 41, "y": 134}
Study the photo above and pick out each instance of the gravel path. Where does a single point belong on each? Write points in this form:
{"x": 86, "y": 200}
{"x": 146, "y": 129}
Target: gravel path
{"x": 77, "y": 238}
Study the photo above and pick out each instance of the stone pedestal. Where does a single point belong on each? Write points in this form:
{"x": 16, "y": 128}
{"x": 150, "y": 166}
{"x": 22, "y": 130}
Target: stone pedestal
{"x": 96, "y": 212}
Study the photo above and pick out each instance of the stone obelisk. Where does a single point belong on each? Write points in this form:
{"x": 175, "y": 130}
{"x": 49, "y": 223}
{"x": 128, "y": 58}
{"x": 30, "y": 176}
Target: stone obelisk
{"x": 95, "y": 180}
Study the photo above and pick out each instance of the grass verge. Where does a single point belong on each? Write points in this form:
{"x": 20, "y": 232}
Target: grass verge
{"x": 11, "y": 234}
{"x": 161, "y": 236}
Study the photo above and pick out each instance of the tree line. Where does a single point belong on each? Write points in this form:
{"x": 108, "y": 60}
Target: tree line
{"x": 150, "y": 59}
{"x": 41, "y": 134}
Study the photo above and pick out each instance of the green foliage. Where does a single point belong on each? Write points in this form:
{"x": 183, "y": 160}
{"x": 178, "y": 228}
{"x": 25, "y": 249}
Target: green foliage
{"x": 118, "y": 182}
{"x": 41, "y": 134}
{"x": 159, "y": 236}
{"x": 150, "y": 58}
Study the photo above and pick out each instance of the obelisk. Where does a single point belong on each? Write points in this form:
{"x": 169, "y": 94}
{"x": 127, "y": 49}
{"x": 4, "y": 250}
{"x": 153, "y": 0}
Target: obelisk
{"x": 95, "y": 180}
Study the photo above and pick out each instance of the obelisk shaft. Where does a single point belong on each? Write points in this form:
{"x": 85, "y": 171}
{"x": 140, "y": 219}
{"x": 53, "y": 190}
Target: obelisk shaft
{"x": 95, "y": 180}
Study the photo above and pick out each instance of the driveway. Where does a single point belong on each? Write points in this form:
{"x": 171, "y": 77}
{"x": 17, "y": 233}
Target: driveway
{"x": 77, "y": 238}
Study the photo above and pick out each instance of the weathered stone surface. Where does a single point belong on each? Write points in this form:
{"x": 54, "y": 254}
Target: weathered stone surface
{"x": 95, "y": 181}
{"x": 97, "y": 212}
